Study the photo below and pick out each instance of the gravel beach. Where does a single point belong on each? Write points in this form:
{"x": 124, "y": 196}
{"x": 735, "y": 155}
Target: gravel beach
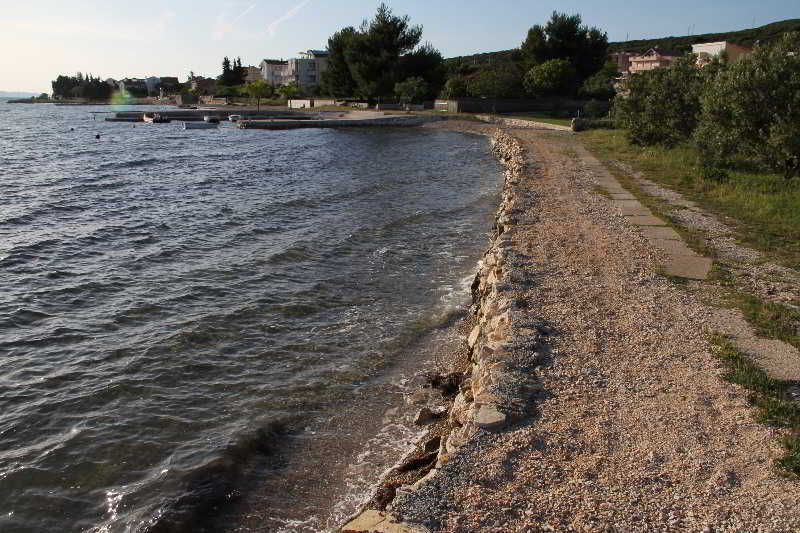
{"x": 633, "y": 428}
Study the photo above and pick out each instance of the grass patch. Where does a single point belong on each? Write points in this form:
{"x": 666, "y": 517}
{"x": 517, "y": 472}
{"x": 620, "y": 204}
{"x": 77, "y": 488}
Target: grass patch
{"x": 764, "y": 207}
{"x": 768, "y": 395}
{"x": 772, "y": 320}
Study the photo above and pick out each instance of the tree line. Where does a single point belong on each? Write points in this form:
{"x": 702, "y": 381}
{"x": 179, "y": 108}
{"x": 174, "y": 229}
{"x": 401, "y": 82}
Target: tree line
{"x": 80, "y": 86}
{"x": 563, "y": 58}
{"x": 748, "y": 109}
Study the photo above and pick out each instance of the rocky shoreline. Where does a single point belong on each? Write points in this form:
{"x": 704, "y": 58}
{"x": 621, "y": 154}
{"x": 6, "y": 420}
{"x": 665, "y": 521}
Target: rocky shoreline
{"x": 491, "y": 384}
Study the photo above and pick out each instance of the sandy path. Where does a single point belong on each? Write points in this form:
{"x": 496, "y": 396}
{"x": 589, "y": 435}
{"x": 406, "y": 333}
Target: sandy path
{"x": 635, "y": 430}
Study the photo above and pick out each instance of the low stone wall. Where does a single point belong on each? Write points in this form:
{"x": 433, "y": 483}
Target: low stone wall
{"x": 501, "y": 377}
{"x": 383, "y": 122}
{"x": 522, "y": 123}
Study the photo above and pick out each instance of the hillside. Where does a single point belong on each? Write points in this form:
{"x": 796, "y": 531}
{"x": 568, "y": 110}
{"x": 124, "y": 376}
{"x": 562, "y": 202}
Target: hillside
{"x": 765, "y": 34}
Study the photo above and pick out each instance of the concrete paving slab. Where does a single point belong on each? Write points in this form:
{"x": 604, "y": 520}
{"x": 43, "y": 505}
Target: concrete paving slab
{"x": 621, "y": 195}
{"x": 627, "y": 204}
{"x": 654, "y": 232}
{"x": 646, "y": 220}
{"x": 673, "y": 247}
{"x": 779, "y": 359}
{"x": 685, "y": 266}
{"x": 635, "y": 211}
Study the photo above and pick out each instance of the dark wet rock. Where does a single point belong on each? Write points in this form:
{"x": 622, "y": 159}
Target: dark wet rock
{"x": 448, "y": 384}
{"x": 426, "y": 415}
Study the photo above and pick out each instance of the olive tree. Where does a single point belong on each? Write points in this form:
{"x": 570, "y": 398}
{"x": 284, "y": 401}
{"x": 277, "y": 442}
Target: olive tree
{"x": 259, "y": 89}
{"x": 411, "y": 89}
{"x": 752, "y": 109}
{"x": 661, "y": 106}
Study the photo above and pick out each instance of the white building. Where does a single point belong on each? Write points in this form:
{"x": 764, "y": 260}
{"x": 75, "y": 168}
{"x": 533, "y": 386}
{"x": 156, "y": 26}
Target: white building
{"x": 307, "y": 69}
{"x": 707, "y": 51}
{"x": 275, "y": 72}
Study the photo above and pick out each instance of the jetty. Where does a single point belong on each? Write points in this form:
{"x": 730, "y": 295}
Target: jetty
{"x": 354, "y": 119}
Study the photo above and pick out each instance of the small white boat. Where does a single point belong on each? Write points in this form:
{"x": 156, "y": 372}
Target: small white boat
{"x": 200, "y": 125}
{"x": 234, "y": 118}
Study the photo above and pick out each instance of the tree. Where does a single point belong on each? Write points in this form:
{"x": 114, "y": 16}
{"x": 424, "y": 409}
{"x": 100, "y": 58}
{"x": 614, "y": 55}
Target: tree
{"x": 662, "y": 105}
{"x": 259, "y": 89}
{"x": 239, "y": 74}
{"x": 337, "y": 79}
{"x": 601, "y": 84}
{"x": 427, "y": 63}
{"x": 565, "y": 37}
{"x": 555, "y": 76}
{"x": 752, "y": 109}
{"x": 289, "y": 91}
{"x": 455, "y": 87}
{"x": 503, "y": 80}
{"x": 227, "y": 72}
{"x": 371, "y": 60}
{"x": 374, "y": 52}
{"x": 411, "y": 89}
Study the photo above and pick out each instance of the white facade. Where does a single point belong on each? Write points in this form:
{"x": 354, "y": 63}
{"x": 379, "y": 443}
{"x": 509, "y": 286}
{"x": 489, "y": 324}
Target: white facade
{"x": 707, "y": 51}
{"x": 274, "y": 72}
{"x": 305, "y": 70}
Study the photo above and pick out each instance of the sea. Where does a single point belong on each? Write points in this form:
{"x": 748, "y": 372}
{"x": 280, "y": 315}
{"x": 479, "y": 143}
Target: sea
{"x": 217, "y": 330}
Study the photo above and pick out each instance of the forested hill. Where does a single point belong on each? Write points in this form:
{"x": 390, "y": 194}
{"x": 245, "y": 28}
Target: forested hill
{"x": 765, "y": 34}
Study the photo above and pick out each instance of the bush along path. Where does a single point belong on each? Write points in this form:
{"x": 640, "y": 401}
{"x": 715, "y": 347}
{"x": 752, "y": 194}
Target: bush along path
{"x": 631, "y": 412}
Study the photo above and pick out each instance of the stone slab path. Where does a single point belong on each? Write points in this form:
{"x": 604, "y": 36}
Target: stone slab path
{"x": 681, "y": 260}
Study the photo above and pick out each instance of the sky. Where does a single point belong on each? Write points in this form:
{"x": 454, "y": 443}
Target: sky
{"x": 112, "y": 38}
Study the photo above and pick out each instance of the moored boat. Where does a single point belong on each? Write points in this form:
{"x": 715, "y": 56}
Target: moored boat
{"x": 200, "y": 125}
{"x": 155, "y": 118}
{"x": 234, "y": 118}
{"x": 211, "y": 119}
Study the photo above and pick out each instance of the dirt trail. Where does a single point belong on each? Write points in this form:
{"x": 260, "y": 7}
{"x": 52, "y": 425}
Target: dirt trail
{"x": 635, "y": 428}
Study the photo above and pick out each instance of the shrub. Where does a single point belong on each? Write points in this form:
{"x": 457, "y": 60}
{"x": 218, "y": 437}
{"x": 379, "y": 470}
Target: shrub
{"x": 662, "y": 105}
{"x": 752, "y": 109}
{"x": 596, "y": 109}
{"x": 503, "y": 80}
{"x": 555, "y": 76}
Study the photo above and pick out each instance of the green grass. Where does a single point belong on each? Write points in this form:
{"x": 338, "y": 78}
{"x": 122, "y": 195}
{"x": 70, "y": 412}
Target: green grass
{"x": 539, "y": 117}
{"x": 772, "y": 320}
{"x": 768, "y": 395}
{"x": 764, "y": 207}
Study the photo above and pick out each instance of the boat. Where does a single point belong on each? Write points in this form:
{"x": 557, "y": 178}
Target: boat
{"x": 200, "y": 125}
{"x": 234, "y": 118}
{"x": 210, "y": 119}
{"x": 155, "y": 118}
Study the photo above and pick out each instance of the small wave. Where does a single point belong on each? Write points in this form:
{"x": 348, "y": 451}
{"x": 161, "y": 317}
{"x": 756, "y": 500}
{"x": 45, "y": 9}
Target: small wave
{"x": 134, "y": 163}
{"x": 18, "y": 220}
{"x": 293, "y": 254}
{"x": 298, "y": 310}
{"x": 216, "y": 482}
{"x": 23, "y": 317}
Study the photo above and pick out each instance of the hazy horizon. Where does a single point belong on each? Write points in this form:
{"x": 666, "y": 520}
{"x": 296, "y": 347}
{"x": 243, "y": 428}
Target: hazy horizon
{"x": 115, "y": 39}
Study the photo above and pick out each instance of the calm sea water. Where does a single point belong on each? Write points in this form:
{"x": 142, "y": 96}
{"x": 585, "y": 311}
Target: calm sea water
{"x": 165, "y": 295}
